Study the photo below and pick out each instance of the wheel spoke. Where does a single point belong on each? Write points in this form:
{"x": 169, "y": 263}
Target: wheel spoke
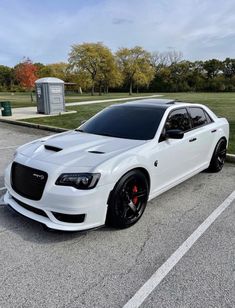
{"x": 125, "y": 196}
{"x": 132, "y": 200}
{"x": 139, "y": 193}
{"x": 132, "y": 207}
{"x": 223, "y": 152}
{"x": 124, "y": 212}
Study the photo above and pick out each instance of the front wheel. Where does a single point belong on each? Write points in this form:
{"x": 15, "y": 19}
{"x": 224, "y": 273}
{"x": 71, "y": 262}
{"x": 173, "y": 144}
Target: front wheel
{"x": 128, "y": 200}
{"x": 218, "y": 157}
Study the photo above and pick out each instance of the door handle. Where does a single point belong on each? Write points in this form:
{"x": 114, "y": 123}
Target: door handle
{"x": 214, "y": 130}
{"x": 193, "y": 139}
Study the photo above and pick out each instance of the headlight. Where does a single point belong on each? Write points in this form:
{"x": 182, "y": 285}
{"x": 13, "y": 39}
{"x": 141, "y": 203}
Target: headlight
{"x": 78, "y": 180}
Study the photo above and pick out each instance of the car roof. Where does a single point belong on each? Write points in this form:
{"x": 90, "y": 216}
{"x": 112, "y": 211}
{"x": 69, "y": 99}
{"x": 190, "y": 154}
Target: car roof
{"x": 149, "y": 103}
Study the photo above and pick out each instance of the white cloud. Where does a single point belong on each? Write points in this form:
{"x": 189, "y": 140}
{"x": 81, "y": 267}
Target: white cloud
{"x": 200, "y": 29}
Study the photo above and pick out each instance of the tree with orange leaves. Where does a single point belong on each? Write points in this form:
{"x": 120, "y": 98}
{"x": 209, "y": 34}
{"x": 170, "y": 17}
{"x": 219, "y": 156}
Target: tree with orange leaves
{"x": 25, "y": 74}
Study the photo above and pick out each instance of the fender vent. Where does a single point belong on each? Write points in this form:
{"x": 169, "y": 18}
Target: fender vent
{"x": 96, "y": 152}
{"x": 51, "y": 148}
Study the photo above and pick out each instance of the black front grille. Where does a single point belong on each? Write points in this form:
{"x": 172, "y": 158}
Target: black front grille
{"x": 30, "y": 208}
{"x": 28, "y": 182}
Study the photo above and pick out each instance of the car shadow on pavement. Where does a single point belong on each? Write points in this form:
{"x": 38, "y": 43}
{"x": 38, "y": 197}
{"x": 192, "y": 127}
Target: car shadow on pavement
{"x": 29, "y": 230}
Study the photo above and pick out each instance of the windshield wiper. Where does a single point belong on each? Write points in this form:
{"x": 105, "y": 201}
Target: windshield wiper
{"x": 79, "y": 130}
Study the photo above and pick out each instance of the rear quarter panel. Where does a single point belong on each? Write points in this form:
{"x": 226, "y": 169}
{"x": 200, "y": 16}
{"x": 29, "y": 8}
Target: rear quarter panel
{"x": 222, "y": 129}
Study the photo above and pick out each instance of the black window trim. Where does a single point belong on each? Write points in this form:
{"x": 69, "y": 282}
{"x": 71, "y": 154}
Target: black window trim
{"x": 190, "y": 119}
{"x": 178, "y": 108}
{"x": 205, "y": 113}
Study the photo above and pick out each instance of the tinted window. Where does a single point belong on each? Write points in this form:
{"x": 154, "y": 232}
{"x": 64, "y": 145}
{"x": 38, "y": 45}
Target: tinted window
{"x": 198, "y": 116}
{"x": 208, "y": 118}
{"x": 178, "y": 119}
{"x": 128, "y": 122}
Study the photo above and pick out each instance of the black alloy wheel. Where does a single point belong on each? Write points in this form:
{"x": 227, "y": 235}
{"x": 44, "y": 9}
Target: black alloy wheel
{"x": 219, "y": 156}
{"x": 128, "y": 200}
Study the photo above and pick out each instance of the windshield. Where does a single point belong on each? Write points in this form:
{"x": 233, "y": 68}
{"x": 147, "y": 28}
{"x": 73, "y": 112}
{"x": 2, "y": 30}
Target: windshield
{"x": 129, "y": 122}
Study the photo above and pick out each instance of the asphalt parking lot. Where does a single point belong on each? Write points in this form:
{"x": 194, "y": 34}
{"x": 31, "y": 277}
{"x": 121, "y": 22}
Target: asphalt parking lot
{"x": 106, "y": 267}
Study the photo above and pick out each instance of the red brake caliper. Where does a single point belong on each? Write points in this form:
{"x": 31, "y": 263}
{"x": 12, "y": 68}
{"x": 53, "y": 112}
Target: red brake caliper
{"x": 135, "y": 199}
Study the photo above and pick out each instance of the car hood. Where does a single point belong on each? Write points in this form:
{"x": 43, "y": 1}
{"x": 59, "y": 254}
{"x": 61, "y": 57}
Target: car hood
{"x": 77, "y": 149}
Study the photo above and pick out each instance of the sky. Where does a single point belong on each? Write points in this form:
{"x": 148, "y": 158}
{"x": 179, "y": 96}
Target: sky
{"x": 45, "y": 30}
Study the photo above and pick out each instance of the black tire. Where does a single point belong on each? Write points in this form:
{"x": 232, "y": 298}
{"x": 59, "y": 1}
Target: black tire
{"x": 128, "y": 200}
{"x": 218, "y": 157}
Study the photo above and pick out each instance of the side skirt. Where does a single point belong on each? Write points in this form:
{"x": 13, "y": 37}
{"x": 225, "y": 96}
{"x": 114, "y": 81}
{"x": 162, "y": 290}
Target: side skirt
{"x": 178, "y": 181}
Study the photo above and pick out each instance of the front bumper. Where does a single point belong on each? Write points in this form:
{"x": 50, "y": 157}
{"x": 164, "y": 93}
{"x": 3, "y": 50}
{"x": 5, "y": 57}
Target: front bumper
{"x": 65, "y": 200}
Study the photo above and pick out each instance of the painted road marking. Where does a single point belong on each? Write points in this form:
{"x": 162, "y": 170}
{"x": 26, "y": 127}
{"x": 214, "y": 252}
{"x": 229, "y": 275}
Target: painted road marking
{"x": 1, "y": 198}
{"x": 166, "y": 267}
{"x": 10, "y": 147}
{"x": 2, "y": 201}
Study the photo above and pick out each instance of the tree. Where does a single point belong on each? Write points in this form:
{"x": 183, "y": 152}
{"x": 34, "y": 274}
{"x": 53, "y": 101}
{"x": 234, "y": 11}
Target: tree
{"x": 5, "y": 77}
{"x": 159, "y": 60}
{"x": 229, "y": 68}
{"x": 135, "y": 65}
{"x": 174, "y": 56}
{"x": 25, "y": 74}
{"x": 165, "y": 58}
{"x": 212, "y": 68}
{"x": 57, "y": 70}
{"x": 81, "y": 79}
{"x": 109, "y": 75}
{"x": 143, "y": 77}
{"x": 94, "y": 59}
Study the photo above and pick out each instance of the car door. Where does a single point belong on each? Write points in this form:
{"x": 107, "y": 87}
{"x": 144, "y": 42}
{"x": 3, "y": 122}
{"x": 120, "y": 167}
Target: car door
{"x": 174, "y": 156}
{"x": 204, "y": 130}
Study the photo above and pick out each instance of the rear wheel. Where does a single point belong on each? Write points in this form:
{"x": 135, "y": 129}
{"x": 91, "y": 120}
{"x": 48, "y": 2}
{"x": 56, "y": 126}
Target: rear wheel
{"x": 218, "y": 157}
{"x": 128, "y": 200}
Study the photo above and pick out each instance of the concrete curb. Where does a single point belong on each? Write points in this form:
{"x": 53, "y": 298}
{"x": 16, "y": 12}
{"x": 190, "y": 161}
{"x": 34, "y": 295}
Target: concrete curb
{"x": 37, "y": 126}
{"x": 229, "y": 157}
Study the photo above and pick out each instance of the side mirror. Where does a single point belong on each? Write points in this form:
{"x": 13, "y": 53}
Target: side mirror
{"x": 174, "y": 134}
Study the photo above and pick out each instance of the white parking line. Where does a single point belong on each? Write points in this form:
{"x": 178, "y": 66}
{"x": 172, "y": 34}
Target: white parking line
{"x": 1, "y": 198}
{"x": 2, "y": 201}
{"x": 9, "y": 147}
{"x": 166, "y": 267}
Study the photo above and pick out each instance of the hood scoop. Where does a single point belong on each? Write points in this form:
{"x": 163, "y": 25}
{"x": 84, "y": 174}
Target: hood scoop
{"x": 96, "y": 152}
{"x": 52, "y": 148}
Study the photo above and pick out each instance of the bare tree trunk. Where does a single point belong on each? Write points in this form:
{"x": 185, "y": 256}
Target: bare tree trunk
{"x": 100, "y": 89}
{"x": 93, "y": 89}
{"x": 130, "y": 89}
{"x": 31, "y": 96}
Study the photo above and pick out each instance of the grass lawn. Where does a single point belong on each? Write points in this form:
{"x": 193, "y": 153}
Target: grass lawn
{"x": 17, "y": 99}
{"x": 87, "y": 97}
{"x": 23, "y": 99}
{"x": 223, "y": 104}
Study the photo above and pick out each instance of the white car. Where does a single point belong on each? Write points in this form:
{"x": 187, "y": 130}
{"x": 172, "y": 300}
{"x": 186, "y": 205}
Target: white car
{"x": 105, "y": 171}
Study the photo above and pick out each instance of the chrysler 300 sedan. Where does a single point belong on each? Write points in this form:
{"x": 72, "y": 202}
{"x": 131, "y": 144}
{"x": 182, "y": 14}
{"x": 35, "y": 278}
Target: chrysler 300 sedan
{"x": 105, "y": 171}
